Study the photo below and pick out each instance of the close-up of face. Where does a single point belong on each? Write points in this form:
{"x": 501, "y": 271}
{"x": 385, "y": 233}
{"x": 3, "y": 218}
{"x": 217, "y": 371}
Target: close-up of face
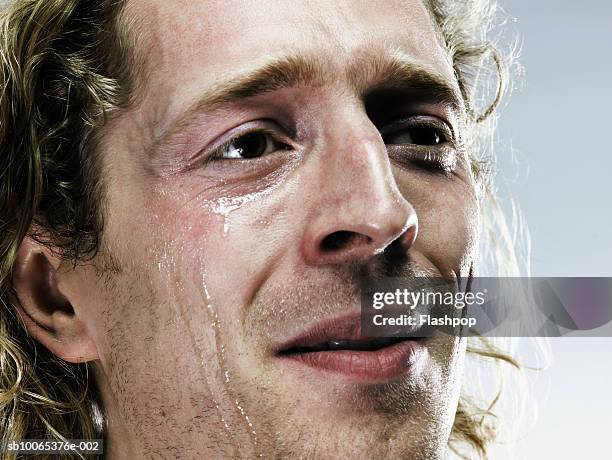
{"x": 304, "y": 229}
{"x": 278, "y": 152}
{"x": 275, "y": 153}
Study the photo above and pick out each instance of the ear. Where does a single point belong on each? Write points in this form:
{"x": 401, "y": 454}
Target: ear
{"x": 48, "y": 315}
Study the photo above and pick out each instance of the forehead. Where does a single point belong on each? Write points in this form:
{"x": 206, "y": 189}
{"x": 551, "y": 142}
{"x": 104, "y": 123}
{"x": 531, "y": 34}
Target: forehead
{"x": 190, "y": 45}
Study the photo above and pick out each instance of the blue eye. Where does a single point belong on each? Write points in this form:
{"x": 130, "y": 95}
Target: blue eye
{"x": 250, "y": 145}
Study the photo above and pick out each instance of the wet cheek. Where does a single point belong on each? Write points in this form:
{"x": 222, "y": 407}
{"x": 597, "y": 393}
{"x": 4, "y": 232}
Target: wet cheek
{"x": 230, "y": 245}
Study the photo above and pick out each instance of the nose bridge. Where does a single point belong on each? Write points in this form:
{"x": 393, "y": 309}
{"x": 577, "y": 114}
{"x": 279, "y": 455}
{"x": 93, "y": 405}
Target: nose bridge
{"x": 360, "y": 209}
{"x": 356, "y": 160}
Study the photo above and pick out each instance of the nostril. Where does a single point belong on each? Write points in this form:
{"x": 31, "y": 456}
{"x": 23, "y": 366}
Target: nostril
{"x": 343, "y": 239}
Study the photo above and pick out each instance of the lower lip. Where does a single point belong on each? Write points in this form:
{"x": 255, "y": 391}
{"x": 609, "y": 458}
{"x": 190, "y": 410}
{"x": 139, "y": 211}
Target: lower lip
{"x": 389, "y": 363}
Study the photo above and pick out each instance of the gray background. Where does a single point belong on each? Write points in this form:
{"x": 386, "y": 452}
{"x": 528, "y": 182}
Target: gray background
{"x": 558, "y": 124}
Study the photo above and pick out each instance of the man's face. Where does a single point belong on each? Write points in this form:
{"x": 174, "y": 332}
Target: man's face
{"x": 239, "y": 220}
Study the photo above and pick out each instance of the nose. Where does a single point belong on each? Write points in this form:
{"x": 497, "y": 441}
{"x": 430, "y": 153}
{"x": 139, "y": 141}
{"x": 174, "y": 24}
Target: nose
{"x": 358, "y": 210}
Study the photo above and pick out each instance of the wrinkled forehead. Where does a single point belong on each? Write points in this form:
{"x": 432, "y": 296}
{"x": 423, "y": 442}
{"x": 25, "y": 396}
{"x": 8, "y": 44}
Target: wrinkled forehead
{"x": 190, "y": 45}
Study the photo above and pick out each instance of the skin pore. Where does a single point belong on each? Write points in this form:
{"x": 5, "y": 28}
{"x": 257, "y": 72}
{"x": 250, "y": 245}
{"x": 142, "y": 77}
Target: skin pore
{"x": 277, "y": 151}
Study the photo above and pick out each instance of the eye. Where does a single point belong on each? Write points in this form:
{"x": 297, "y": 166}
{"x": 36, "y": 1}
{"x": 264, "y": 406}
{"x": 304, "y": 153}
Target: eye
{"x": 423, "y": 141}
{"x": 413, "y": 131}
{"x": 253, "y": 144}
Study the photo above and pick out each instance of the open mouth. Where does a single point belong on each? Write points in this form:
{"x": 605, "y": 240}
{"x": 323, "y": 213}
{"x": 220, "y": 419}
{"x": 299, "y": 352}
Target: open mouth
{"x": 336, "y": 346}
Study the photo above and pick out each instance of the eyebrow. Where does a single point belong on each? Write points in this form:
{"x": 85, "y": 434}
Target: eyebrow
{"x": 371, "y": 71}
{"x": 395, "y": 70}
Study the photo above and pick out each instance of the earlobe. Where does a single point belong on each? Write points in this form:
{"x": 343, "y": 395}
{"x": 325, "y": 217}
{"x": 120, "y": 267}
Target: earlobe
{"x": 47, "y": 313}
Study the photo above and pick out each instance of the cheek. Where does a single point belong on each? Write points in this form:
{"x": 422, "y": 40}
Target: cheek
{"x": 192, "y": 248}
{"x": 238, "y": 244}
{"x": 159, "y": 327}
{"x": 448, "y": 214}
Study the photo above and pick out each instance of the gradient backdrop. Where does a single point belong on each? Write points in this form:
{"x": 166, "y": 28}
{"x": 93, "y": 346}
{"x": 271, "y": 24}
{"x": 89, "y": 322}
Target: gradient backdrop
{"x": 558, "y": 124}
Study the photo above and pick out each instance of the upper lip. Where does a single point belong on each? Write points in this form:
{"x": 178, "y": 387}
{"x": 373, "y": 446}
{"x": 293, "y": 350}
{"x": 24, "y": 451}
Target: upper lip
{"x": 337, "y": 329}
